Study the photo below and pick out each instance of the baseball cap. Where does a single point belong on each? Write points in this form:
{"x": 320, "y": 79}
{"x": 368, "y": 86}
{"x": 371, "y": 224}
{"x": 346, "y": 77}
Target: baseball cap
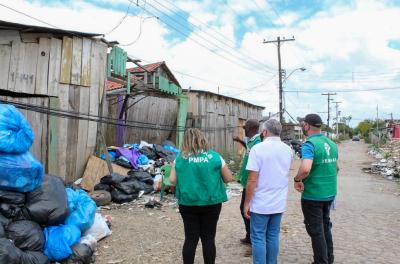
{"x": 312, "y": 119}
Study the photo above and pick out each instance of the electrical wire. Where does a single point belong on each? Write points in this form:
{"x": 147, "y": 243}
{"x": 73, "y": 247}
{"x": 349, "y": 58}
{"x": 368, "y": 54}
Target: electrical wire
{"x": 99, "y": 119}
{"x": 239, "y": 63}
{"x": 343, "y": 91}
{"x": 224, "y": 39}
{"x": 120, "y": 21}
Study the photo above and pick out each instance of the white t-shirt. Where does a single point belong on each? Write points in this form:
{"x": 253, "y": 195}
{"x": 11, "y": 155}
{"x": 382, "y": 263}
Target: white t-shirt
{"x": 271, "y": 159}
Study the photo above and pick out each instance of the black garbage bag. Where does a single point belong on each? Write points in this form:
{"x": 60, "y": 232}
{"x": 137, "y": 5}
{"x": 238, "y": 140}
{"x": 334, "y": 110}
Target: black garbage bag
{"x": 10, "y": 197}
{"x": 112, "y": 179}
{"x": 124, "y": 163}
{"x": 164, "y": 154}
{"x": 121, "y": 197}
{"x": 13, "y": 212}
{"x": 81, "y": 254}
{"x": 2, "y": 232}
{"x": 102, "y": 187}
{"x": 26, "y": 235}
{"x": 9, "y": 253}
{"x": 48, "y": 205}
{"x": 34, "y": 257}
{"x": 129, "y": 187}
{"x": 142, "y": 176}
{"x": 149, "y": 152}
{"x": 4, "y": 221}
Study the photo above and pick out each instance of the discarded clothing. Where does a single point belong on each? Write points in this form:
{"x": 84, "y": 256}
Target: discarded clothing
{"x": 20, "y": 172}
{"x": 82, "y": 209}
{"x": 16, "y": 135}
{"x": 59, "y": 240}
{"x": 131, "y": 155}
{"x": 48, "y": 204}
{"x": 149, "y": 152}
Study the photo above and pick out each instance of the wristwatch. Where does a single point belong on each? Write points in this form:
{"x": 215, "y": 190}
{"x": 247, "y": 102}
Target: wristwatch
{"x": 296, "y": 180}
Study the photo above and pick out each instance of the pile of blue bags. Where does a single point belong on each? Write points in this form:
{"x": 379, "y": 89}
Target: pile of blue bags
{"x": 41, "y": 220}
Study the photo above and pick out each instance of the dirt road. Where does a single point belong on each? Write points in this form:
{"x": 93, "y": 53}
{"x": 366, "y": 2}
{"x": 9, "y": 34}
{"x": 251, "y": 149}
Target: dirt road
{"x": 366, "y": 224}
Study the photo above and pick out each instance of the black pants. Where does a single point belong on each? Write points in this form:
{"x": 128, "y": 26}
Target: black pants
{"x": 200, "y": 222}
{"x": 318, "y": 226}
{"x": 245, "y": 220}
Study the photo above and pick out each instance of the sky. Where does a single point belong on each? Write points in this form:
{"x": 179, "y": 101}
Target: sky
{"x": 349, "y": 47}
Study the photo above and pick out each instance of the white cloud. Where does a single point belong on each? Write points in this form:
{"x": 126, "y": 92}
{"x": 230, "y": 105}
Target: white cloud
{"x": 337, "y": 40}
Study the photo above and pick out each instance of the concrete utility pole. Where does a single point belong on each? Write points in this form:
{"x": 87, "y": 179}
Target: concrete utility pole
{"x": 329, "y": 107}
{"x": 377, "y": 125}
{"x": 337, "y": 119}
{"x": 278, "y": 42}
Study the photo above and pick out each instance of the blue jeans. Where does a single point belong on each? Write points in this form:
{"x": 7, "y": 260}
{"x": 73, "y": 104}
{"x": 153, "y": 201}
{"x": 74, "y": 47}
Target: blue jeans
{"x": 264, "y": 234}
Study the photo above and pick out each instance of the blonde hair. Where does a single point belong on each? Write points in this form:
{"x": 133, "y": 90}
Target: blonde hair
{"x": 194, "y": 141}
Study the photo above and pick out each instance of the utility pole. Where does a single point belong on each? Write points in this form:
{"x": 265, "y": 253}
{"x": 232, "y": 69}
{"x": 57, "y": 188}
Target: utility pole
{"x": 337, "y": 119}
{"x": 377, "y": 125}
{"x": 278, "y": 44}
{"x": 329, "y": 107}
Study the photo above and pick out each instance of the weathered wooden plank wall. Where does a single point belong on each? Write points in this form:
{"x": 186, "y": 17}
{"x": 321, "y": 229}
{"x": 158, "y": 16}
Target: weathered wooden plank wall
{"x": 221, "y": 118}
{"x": 69, "y": 75}
{"x": 154, "y": 110}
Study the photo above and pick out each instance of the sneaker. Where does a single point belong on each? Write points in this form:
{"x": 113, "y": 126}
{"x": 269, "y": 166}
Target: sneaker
{"x": 245, "y": 241}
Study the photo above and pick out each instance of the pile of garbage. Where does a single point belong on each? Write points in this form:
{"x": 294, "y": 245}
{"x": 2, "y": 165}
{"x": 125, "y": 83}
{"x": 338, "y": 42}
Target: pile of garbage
{"x": 387, "y": 160}
{"x": 147, "y": 163}
{"x": 41, "y": 219}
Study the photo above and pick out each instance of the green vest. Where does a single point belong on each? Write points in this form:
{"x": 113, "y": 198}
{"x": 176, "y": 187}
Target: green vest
{"x": 199, "y": 180}
{"x": 321, "y": 183}
{"x": 243, "y": 173}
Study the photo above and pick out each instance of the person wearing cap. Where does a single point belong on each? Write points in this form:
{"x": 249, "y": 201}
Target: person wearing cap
{"x": 251, "y": 129}
{"x": 266, "y": 192}
{"x": 317, "y": 181}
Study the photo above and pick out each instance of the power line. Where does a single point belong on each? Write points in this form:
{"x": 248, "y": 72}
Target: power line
{"x": 224, "y": 39}
{"x": 120, "y": 21}
{"x": 344, "y": 91}
{"x": 37, "y": 19}
{"x": 240, "y": 62}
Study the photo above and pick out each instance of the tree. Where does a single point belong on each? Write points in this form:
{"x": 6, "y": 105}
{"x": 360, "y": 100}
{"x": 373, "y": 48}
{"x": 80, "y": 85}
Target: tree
{"x": 363, "y": 128}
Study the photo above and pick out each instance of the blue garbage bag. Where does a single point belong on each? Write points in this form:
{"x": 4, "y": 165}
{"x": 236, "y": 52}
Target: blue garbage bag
{"x": 59, "y": 241}
{"x": 171, "y": 148}
{"x": 143, "y": 160}
{"x": 20, "y": 172}
{"x": 16, "y": 135}
{"x": 82, "y": 209}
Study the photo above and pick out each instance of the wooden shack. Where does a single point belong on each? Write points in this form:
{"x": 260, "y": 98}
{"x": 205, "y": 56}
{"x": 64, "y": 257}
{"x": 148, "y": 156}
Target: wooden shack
{"x": 57, "y": 78}
{"x": 149, "y": 110}
{"x": 221, "y": 118}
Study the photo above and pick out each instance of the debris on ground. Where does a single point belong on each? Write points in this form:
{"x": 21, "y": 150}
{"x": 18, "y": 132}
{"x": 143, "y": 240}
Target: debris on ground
{"x": 387, "y": 160}
{"x": 41, "y": 219}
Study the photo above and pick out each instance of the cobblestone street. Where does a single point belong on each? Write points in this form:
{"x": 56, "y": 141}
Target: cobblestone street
{"x": 366, "y": 224}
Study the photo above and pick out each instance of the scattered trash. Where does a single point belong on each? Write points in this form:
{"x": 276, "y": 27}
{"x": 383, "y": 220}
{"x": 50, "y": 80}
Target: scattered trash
{"x": 16, "y": 135}
{"x": 26, "y": 235}
{"x": 20, "y": 172}
{"x": 99, "y": 229}
{"x": 47, "y": 205}
{"x": 82, "y": 209}
{"x": 387, "y": 161}
{"x": 59, "y": 240}
{"x": 153, "y": 204}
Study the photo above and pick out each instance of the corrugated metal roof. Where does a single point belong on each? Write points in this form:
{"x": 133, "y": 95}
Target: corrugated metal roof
{"x": 38, "y": 29}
